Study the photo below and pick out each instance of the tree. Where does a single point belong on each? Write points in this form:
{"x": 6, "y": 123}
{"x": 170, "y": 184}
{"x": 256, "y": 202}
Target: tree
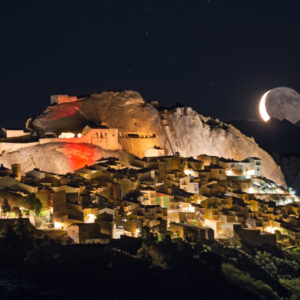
{"x": 18, "y": 212}
{"x": 5, "y": 207}
{"x": 34, "y": 203}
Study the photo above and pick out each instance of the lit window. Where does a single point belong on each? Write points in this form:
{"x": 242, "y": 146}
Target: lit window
{"x": 90, "y": 218}
{"x": 66, "y": 135}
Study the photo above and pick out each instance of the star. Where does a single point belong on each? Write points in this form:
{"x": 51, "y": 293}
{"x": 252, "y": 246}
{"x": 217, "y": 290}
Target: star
{"x": 148, "y": 12}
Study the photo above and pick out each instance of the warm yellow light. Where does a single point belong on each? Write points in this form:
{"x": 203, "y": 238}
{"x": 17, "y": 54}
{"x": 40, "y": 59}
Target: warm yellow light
{"x": 58, "y": 225}
{"x": 66, "y": 135}
{"x": 229, "y": 173}
{"x": 262, "y": 107}
{"x": 138, "y": 232}
{"x": 271, "y": 229}
{"x": 188, "y": 172}
{"x": 251, "y": 190}
{"x": 90, "y": 218}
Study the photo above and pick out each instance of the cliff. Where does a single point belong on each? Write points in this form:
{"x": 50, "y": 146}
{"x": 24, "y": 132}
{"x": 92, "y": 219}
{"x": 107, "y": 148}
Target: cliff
{"x": 143, "y": 126}
{"x": 197, "y": 134}
{"x": 59, "y": 158}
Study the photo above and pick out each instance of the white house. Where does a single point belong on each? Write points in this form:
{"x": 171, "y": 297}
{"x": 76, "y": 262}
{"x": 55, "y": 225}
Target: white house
{"x": 189, "y": 185}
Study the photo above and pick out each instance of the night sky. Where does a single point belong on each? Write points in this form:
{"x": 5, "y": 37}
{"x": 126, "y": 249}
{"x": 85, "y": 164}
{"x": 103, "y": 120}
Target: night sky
{"x": 216, "y": 57}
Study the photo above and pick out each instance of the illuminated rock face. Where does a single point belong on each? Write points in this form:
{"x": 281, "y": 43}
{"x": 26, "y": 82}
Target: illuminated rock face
{"x": 105, "y": 138}
{"x": 199, "y": 134}
{"x": 66, "y": 115}
{"x": 126, "y": 111}
{"x": 143, "y": 127}
{"x": 59, "y": 158}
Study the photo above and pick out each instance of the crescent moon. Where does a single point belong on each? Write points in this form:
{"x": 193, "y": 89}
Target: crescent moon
{"x": 262, "y": 107}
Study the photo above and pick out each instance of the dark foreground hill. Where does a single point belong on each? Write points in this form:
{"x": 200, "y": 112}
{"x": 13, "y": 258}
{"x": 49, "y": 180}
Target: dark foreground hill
{"x": 149, "y": 268}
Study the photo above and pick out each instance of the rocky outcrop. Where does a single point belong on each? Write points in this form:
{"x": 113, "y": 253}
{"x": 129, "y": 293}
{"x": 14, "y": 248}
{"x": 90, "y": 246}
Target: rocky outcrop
{"x": 197, "y": 134}
{"x": 59, "y": 158}
{"x": 126, "y": 111}
{"x": 143, "y": 126}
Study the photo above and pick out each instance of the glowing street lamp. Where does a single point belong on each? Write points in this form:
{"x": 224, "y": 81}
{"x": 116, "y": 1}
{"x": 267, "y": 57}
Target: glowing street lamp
{"x": 90, "y": 218}
{"x": 58, "y": 225}
{"x": 188, "y": 172}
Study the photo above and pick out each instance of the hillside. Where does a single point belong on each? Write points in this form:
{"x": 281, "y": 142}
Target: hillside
{"x": 180, "y": 130}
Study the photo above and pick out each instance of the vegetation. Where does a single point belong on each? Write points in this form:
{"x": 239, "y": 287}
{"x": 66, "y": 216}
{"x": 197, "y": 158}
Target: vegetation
{"x": 244, "y": 280}
{"x": 5, "y": 207}
{"x": 33, "y": 203}
{"x": 154, "y": 267}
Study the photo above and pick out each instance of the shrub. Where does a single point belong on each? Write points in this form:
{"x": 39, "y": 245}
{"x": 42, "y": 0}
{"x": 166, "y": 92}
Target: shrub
{"x": 244, "y": 280}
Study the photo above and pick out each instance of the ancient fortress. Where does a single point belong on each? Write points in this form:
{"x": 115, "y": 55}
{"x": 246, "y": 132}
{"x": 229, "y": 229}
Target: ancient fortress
{"x": 115, "y": 121}
{"x": 105, "y": 138}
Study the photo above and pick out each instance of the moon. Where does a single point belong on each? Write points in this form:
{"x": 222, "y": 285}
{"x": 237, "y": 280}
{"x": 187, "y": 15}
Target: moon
{"x": 280, "y": 103}
{"x": 262, "y": 107}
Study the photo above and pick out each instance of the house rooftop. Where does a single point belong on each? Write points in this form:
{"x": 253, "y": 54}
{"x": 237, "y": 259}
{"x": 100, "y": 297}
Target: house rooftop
{"x": 228, "y": 160}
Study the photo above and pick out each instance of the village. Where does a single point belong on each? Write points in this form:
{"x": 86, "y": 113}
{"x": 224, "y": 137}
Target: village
{"x": 198, "y": 200}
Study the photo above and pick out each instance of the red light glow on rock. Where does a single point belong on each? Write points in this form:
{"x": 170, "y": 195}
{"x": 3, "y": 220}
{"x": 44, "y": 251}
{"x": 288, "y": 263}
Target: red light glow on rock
{"x": 62, "y": 111}
{"x": 80, "y": 155}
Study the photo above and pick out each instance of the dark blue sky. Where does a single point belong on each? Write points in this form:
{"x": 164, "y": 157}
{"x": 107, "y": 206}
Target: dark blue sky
{"x": 216, "y": 56}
